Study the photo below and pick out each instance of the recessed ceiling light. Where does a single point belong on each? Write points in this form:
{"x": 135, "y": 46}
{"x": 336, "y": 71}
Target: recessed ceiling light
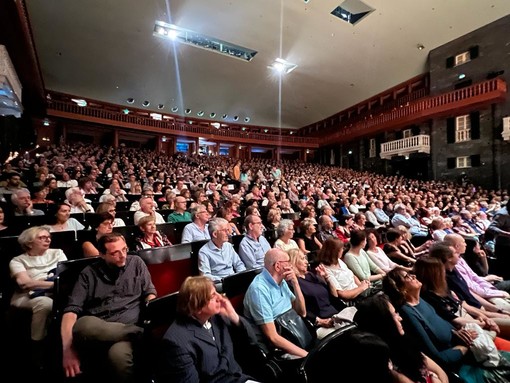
{"x": 282, "y": 66}
{"x": 420, "y": 47}
{"x": 130, "y": 100}
{"x": 236, "y": 118}
{"x": 224, "y": 116}
{"x": 200, "y": 113}
{"x": 175, "y": 109}
{"x": 187, "y": 111}
{"x": 247, "y": 119}
{"x": 161, "y": 106}
{"x": 196, "y": 39}
{"x": 146, "y": 103}
{"x": 212, "y": 114}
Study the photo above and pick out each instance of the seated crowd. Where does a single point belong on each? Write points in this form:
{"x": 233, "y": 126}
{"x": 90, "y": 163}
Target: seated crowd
{"x": 414, "y": 263}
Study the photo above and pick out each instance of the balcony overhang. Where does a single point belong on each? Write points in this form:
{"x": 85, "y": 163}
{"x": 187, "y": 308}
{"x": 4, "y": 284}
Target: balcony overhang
{"x": 414, "y": 112}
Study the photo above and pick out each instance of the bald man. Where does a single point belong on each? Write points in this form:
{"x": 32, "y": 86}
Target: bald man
{"x": 269, "y": 296}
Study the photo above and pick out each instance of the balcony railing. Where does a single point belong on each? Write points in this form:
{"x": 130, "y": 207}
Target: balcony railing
{"x": 483, "y": 93}
{"x": 69, "y": 109}
{"x": 406, "y": 146}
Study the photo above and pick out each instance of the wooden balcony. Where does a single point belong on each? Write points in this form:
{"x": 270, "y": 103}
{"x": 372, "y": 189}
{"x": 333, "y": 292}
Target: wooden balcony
{"x": 414, "y": 112}
{"x": 170, "y": 126}
{"x": 406, "y": 146}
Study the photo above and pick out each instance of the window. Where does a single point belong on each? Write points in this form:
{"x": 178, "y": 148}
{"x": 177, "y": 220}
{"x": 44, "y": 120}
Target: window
{"x": 463, "y": 162}
{"x": 462, "y": 58}
{"x": 407, "y": 133}
{"x": 373, "y": 148}
{"x": 462, "y": 128}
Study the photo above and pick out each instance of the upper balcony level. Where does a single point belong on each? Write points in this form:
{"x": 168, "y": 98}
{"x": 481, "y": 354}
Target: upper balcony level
{"x": 406, "y": 146}
{"x": 452, "y": 103}
{"x": 63, "y": 106}
{"x": 412, "y": 112}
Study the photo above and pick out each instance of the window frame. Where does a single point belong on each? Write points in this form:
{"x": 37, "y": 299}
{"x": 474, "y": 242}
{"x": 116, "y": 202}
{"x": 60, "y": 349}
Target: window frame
{"x": 462, "y": 128}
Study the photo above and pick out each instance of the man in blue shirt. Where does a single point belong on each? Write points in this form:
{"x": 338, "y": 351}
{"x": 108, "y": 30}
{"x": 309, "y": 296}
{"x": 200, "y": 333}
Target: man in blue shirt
{"x": 269, "y": 296}
{"x": 217, "y": 258}
{"x": 254, "y": 245}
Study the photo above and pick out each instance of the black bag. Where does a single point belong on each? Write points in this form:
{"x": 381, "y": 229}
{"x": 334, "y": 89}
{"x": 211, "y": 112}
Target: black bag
{"x": 292, "y": 327}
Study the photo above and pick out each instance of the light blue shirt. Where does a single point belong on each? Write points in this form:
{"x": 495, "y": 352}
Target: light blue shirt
{"x": 381, "y": 216}
{"x": 218, "y": 263}
{"x": 193, "y": 233}
{"x": 265, "y": 299}
{"x": 252, "y": 252}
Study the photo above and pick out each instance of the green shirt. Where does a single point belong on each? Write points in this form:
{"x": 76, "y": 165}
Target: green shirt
{"x": 178, "y": 217}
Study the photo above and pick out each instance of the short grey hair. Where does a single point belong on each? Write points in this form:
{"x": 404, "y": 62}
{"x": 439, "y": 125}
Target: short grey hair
{"x": 27, "y": 237}
{"x": 16, "y": 193}
{"x": 215, "y": 223}
{"x": 283, "y": 226}
{"x": 72, "y": 190}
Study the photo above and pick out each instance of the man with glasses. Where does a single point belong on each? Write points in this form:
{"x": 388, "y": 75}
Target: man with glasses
{"x": 217, "y": 259}
{"x": 254, "y": 245}
{"x": 269, "y": 296}
{"x": 198, "y": 229}
{"x": 101, "y": 320}
{"x": 179, "y": 214}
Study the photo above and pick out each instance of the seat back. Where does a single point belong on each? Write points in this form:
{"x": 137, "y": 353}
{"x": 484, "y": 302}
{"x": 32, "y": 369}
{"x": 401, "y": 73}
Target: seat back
{"x": 236, "y": 241}
{"x": 169, "y": 266}
{"x": 9, "y": 248}
{"x": 130, "y": 233}
{"x": 66, "y": 276}
{"x": 323, "y": 360}
{"x": 236, "y": 285}
{"x": 195, "y": 248}
{"x": 67, "y": 241}
{"x": 170, "y": 231}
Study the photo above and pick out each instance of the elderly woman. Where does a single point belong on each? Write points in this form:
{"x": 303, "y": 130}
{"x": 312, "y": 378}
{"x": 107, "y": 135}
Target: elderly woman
{"x": 198, "y": 346}
{"x": 169, "y": 200}
{"x": 274, "y": 216}
{"x": 101, "y": 224}
{"x": 321, "y": 297}
{"x": 64, "y": 221}
{"x": 33, "y": 272}
{"x": 151, "y": 236}
{"x": 307, "y": 240}
{"x": 285, "y": 232}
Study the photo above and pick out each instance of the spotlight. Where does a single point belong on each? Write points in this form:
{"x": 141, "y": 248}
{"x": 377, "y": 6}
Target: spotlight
{"x": 247, "y": 119}
{"x": 175, "y": 109}
{"x": 130, "y": 100}
{"x": 200, "y": 113}
{"x": 187, "y": 111}
{"x": 236, "y": 118}
{"x": 212, "y": 114}
{"x": 161, "y": 106}
{"x": 146, "y": 103}
{"x": 224, "y": 116}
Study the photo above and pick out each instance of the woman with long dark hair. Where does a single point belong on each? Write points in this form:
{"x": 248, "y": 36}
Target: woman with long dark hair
{"x": 378, "y": 316}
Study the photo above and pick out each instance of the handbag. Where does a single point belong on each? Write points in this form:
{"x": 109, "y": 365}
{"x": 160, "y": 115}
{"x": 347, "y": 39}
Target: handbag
{"x": 483, "y": 348}
{"x": 292, "y": 327}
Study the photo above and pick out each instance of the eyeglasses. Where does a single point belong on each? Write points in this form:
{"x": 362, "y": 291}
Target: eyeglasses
{"x": 282, "y": 261}
{"x": 44, "y": 237}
